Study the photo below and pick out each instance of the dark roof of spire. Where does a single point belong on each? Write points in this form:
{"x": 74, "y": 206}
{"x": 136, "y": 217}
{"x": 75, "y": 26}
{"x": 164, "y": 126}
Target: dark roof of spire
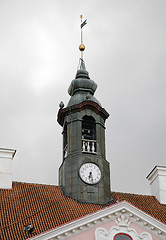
{"x": 82, "y": 87}
{"x": 82, "y": 82}
{"x": 81, "y": 71}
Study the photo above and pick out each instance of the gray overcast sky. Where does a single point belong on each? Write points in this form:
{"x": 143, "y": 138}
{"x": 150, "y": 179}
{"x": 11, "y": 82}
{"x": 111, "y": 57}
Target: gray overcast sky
{"x": 125, "y": 55}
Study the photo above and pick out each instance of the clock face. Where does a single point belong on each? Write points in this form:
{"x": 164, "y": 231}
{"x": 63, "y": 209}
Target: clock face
{"x": 90, "y": 173}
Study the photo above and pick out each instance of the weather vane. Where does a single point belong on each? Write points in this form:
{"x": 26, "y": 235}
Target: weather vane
{"x": 82, "y": 46}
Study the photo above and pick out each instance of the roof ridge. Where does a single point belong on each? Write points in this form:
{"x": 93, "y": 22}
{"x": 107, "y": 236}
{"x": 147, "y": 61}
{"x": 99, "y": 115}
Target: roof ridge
{"x": 52, "y": 185}
{"x": 42, "y": 184}
{"x": 137, "y": 194}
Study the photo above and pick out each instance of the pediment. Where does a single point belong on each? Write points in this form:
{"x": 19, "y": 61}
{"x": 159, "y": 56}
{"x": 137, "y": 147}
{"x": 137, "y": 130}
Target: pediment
{"x": 120, "y": 217}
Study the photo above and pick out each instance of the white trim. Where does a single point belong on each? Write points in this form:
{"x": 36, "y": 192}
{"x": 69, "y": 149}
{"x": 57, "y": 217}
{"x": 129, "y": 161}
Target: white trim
{"x": 7, "y": 153}
{"x": 104, "y": 215}
{"x": 156, "y": 172}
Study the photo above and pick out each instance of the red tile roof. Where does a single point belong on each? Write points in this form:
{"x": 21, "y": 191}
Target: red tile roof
{"x": 45, "y": 207}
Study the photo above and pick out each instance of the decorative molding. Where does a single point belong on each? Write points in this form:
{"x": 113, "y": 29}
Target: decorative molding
{"x": 122, "y": 221}
{"x": 123, "y": 226}
{"x": 116, "y": 212}
{"x": 79, "y": 107}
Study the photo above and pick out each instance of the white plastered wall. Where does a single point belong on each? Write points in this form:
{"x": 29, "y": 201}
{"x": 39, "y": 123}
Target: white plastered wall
{"x": 157, "y": 178}
{"x": 6, "y": 167}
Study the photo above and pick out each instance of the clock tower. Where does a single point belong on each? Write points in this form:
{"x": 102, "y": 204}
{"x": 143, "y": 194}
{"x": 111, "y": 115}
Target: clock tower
{"x": 84, "y": 173}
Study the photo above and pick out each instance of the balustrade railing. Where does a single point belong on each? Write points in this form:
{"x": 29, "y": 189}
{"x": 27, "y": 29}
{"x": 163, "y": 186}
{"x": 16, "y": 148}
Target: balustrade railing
{"x": 89, "y": 146}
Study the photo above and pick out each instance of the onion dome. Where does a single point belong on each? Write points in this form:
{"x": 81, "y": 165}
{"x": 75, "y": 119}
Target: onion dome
{"x": 82, "y": 88}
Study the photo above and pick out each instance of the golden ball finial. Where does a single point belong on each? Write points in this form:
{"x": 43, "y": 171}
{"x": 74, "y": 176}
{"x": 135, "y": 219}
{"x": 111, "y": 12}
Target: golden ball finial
{"x": 82, "y": 47}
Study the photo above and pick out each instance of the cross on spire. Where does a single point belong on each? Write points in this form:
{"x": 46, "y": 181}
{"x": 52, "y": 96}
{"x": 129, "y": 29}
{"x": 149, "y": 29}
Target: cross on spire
{"x": 82, "y": 46}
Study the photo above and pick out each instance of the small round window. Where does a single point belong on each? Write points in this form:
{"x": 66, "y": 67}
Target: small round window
{"x": 122, "y": 236}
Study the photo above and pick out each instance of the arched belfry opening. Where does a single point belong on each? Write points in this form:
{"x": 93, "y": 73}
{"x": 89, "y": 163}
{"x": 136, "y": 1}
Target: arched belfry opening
{"x": 88, "y": 134}
{"x": 88, "y": 128}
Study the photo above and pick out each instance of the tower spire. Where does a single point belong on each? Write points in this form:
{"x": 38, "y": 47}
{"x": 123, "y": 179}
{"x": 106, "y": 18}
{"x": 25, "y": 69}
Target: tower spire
{"x": 84, "y": 173}
{"x": 82, "y": 46}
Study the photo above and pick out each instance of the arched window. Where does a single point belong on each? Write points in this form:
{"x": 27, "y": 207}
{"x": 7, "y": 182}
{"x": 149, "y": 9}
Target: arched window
{"x": 122, "y": 236}
{"x": 89, "y": 135}
{"x": 88, "y": 128}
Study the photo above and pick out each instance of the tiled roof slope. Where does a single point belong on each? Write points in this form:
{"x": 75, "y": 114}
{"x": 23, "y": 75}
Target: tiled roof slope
{"x": 45, "y": 207}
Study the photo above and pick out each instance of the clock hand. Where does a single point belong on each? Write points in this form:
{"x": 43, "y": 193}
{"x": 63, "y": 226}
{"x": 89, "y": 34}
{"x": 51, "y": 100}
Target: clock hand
{"x": 90, "y": 176}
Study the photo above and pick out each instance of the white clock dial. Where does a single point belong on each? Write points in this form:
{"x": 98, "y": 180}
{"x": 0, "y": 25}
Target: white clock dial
{"x": 90, "y": 173}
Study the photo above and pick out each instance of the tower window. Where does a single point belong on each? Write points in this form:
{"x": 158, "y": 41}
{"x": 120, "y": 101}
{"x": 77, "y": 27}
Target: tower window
{"x": 88, "y": 128}
{"x": 88, "y": 134}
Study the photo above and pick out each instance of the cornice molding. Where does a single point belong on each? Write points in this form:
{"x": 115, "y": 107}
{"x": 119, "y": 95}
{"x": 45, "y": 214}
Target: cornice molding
{"x": 7, "y": 153}
{"x": 123, "y": 226}
{"x": 79, "y": 107}
{"x": 123, "y": 210}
